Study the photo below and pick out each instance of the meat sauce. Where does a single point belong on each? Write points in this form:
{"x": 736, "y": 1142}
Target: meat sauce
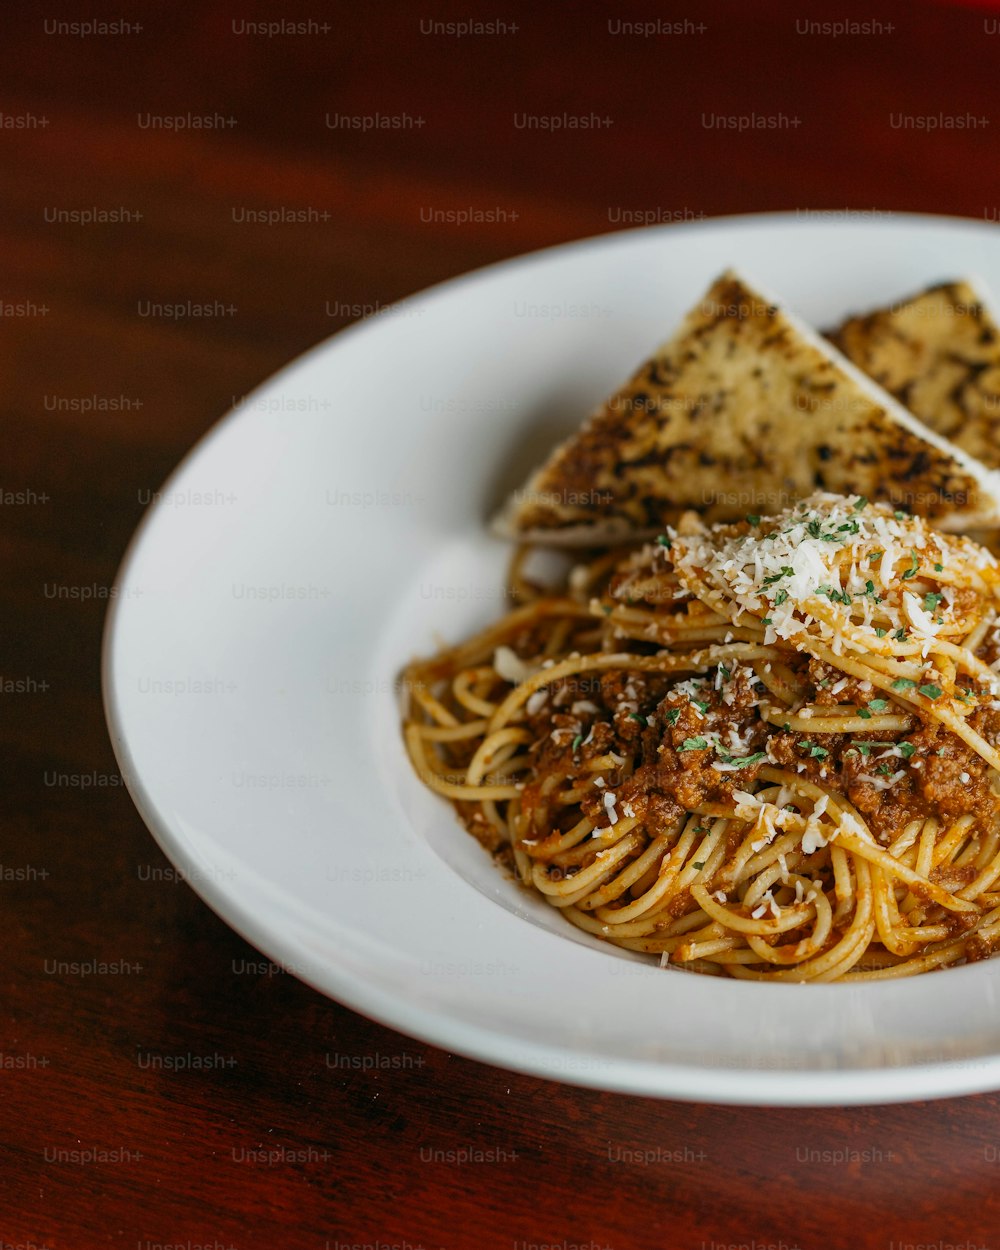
{"x": 699, "y": 741}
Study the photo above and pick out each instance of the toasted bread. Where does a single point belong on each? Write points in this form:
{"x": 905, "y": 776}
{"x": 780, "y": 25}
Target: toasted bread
{"x": 745, "y": 409}
{"x": 938, "y": 353}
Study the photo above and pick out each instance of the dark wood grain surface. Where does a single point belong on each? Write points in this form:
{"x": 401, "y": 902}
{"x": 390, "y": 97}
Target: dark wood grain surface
{"x": 178, "y": 1093}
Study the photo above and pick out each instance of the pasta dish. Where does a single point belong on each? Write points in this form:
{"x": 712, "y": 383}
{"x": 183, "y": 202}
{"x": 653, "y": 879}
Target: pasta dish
{"x": 765, "y": 749}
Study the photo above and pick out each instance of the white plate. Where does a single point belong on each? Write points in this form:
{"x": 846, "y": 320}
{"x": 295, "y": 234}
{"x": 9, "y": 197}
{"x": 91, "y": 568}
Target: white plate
{"x": 332, "y": 527}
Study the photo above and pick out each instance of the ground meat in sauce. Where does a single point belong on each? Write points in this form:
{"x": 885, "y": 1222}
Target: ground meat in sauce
{"x": 946, "y": 759}
{"x": 849, "y": 689}
{"x": 932, "y": 783}
{"x": 979, "y": 947}
{"x": 669, "y": 780}
{"x": 989, "y": 651}
{"x": 628, "y": 694}
{"x": 684, "y": 774}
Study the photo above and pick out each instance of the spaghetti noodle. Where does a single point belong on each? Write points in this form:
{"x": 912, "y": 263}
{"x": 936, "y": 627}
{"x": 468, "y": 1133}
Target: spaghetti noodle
{"x": 766, "y": 750}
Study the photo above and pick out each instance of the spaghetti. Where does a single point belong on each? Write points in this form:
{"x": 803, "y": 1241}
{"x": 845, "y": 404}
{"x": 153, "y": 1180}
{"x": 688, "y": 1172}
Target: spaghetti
{"x": 766, "y": 750}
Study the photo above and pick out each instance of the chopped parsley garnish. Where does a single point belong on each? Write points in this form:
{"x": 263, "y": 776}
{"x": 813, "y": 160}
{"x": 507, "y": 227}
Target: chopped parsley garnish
{"x": 699, "y": 864}
{"x": 875, "y": 555}
{"x": 702, "y": 707}
{"x": 878, "y": 705}
{"x": 640, "y": 720}
{"x": 901, "y": 635}
{"x": 861, "y": 503}
{"x": 879, "y": 632}
{"x": 931, "y": 691}
{"x": 931, "y": 600}
{"x": 903, "y": 683}
{"x": 884, "y": 769}
{"x": 938, "y": 568}
{"x": 835, "y": 596}
{"x": 664, "y": 541}
{"x": 900, "y": 516}
{"x": 906, "y": 749}
{"x": 672, "y": 715}
{"x": 576, "y": 743}
{"x": 752, "y": 519}
{"x": 815, "y": 752}
{"x": 851, "y": 526}
{"x": 868, "y": 592}
{"x": 786, "y": 571}
{"x": 726, "y": 673}
{"x": 766, "y": 620}
{"x": 744, "y": 761}
{"x": 914, "y": 565}
{"x": 780, "y": 598}
{"x": 864, "y": 713}
{"x": 693, "y": 744}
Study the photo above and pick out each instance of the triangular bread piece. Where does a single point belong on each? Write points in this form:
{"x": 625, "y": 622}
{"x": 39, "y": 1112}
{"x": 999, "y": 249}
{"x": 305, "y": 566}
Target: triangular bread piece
{"x": 744, "y": 410}
{"x": 938, "y": 352}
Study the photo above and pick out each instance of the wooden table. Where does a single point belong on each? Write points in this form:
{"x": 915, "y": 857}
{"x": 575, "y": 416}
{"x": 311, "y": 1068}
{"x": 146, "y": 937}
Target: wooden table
{"x": 268, "y": 1143}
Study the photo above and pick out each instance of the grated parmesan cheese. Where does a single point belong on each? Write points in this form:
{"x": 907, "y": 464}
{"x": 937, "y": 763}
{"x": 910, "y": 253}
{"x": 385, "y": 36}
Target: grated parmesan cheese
{"x": 813, "y": 836}
{"x": 537, "y": 701}
{"x": 813, "y": 568}
{"x": 509, "y": 665}
{"x": 882, "y": 783}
